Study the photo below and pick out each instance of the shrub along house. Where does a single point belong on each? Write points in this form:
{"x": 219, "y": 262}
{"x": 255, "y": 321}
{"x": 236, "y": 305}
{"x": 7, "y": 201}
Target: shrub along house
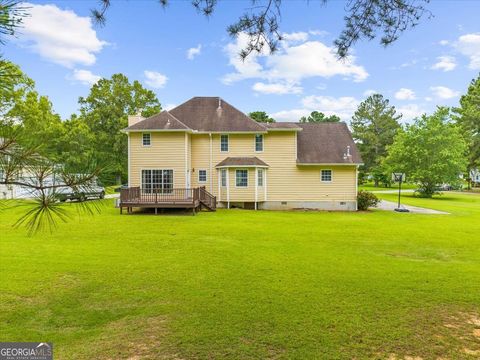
{"x": 207, "y": 144}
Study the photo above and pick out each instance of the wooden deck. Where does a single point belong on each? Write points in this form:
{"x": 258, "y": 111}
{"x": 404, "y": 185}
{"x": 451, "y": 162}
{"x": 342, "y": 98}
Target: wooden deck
{"x": 194, "y": 198}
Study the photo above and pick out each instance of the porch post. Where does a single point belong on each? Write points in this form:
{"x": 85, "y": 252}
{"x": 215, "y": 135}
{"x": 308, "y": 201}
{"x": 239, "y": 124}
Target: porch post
{"x": 219, "y": 175}
{"x": 265, "y": 184}
{"x": 256, "y": 186}
{"x": 228, "y": 188}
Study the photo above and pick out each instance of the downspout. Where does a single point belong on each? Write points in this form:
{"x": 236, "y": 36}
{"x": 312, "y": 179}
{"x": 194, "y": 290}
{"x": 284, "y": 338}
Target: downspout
{"x": 128, "y": 175}
{"x": 356, "y": 188}
{"x": 211, "y": 175}
{"x": 256, "y": 186}
{"x": 186, "y": 160}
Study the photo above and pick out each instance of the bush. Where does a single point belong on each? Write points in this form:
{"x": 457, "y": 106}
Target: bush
{"x": 366, "y": 199}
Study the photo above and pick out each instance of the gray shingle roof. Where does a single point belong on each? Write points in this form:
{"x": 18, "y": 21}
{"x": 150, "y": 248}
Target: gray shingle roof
{"x": 241, "y": 161}
{"x": 161, "y": 121}
{"x": 326, "y": 143}
{"x": 216, "y": 115}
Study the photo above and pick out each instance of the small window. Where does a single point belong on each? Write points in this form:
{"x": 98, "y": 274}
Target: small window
{"x": 326, "y": 176}
{"x": 224, "y": 177}
{"x": 242, "y": 178}
{"x": 202, "y": 176}
{"x": 259, "y": 142}
{"x": 260, "y": 177}
{"x": 146, "y": 139}
{"x": 223, "y": 143}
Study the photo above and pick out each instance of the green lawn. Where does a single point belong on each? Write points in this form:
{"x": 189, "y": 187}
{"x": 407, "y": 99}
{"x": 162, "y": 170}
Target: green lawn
{"x": 248, "y": 285}
{"x": 371, "y": 187}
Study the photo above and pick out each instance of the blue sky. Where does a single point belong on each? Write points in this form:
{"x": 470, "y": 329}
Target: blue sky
{"x": 179, "y": 53}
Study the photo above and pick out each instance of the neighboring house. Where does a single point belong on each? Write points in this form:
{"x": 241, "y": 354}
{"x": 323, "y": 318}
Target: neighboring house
{"x": 475, "y": 176}
{"x": 208, "y": 142}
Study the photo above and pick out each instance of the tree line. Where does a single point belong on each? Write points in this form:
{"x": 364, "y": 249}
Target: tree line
{"x": 433, "y": 150}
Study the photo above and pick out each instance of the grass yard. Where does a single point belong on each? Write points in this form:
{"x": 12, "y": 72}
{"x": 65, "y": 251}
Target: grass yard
{"x": 248, "y": 285}
{"x": 371, "y": 187}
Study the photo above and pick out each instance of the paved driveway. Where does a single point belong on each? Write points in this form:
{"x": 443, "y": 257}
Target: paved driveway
{"x": 390, "y": 206}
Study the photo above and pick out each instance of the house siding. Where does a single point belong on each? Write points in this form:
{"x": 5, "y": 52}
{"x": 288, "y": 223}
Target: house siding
{"x": 167, "y": 151}
{"x": 285, "y": 180}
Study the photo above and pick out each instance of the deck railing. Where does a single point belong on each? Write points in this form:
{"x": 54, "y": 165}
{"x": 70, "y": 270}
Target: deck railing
{"x": 158, "y": 196}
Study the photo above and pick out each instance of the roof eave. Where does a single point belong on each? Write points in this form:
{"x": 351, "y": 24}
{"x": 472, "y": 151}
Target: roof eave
{"x": 155, "y": 130}
{"x": 241, "y": 166}
{"x": 327, "y": 163}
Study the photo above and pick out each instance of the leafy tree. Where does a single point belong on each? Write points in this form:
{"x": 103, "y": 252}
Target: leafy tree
{"x": 261, "y": 116}
{"x": 105, "y": 111}
{"x": 430, "y": 152}
{"x": 319, "y": 117}
{"x": 468, "y": 118}
{"x": 365, "y": 19}
{"x": 11, "y": 14}
{"x": 374, "y": 126}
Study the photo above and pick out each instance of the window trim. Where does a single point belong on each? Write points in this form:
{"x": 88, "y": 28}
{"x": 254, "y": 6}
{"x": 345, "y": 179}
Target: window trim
{"x": 260, "y": 171}
{"x": 228, "y": 143}
{"x": 236, "y": 179}
{"x": 331, "y": 176}
{"x": 206, "y": 176}
{"x": 255, "y": 143}
{"x": 149, "y": 139}
{"x": 223, "y": 172}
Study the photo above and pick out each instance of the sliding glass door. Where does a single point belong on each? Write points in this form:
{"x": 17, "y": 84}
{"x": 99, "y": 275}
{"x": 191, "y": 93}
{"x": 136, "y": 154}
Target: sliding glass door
{"x": 157, "y": 181}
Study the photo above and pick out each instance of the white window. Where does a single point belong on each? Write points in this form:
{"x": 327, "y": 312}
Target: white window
{"x": 259, "y": 142}
{"x": 326, "y": 175}
{"x": 157, "y": 180}
{"x": 202, "y": 175}
{"x": 224, "y": 177}
{"x": 224, "y": 143}
{"x": 241, "y": 178}
{"x": 146, "y": 139}
{"x": 260, "y": 177}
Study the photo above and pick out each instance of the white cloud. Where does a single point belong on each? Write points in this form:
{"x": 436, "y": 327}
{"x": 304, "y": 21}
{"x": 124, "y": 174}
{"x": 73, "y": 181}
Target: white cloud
{"x": 86, "y": 77}
{"x": 443, "y": 92}
{"x": 444, "y": 42}
{"x": 295, "y": 36}
{"x": 194, "y": 51}
{"x": 344, "y": 107}
{"x": 276, "y": 88}
{"x": 290, "y": 115}
{"x": 292, "y": 63}
{"x": 369, "y": 92}
{"x": 469, "y": 45}
{"x": 410, "y": 111}
{"x": 445, "y": 63}
{"x": 155, "y": 79}
{"x": 60, "y": 36}
{"x": 405, "y": 94}
{"x": 318, "y": 32}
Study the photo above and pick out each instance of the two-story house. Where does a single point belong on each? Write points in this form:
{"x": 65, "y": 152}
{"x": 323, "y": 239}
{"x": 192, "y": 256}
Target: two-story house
{"x": 208, "y": 142}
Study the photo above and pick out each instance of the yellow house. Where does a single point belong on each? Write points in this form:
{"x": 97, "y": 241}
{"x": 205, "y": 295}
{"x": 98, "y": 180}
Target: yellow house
{"x": 206, "y": 142}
